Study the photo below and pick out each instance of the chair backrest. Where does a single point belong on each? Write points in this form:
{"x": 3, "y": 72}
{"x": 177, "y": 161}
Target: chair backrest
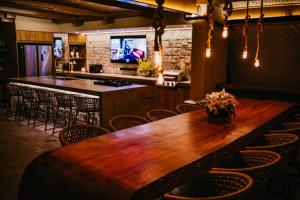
{"x": 291, "y": 125}
{"x": 64, "y": 99}
{"x": 27, "y": 93}
{"x": 183, "y": 108}
{"x": 283, "y": 143}
{"x": 221, "y": 186}
{"x": 126, "y": 121}
{"x": 157, "y": 114}
{"x": 87, "y": 104}
{"x": 43, "y": 95}
{"x": 259, "y": 164}
{"x": 79, "y": 133}
{"x": 13, "y": 90}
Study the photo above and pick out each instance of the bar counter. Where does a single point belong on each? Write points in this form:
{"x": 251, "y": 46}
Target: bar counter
{"x": 132, "y": 99}
{"x": 146, "y": 161}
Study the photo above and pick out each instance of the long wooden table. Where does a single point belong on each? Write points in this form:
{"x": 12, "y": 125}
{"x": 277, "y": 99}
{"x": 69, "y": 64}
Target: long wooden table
{"x": 146, "y": 161}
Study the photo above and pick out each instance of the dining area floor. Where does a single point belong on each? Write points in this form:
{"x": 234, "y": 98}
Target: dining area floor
{"x": 20, "y": 144}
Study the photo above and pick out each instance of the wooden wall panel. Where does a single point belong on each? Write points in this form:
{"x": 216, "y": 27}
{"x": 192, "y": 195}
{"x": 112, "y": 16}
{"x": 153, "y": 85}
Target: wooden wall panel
{"x": 34, "y": 36}
{"x": 77, "y": 38}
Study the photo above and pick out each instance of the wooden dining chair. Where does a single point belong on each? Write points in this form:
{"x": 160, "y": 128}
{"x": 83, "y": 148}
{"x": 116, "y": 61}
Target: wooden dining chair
{"x": 218, "y": 185}
{"x": 126, "y": 121}
{"x": 158, "y": 114}
{"x": 79, "y": 133}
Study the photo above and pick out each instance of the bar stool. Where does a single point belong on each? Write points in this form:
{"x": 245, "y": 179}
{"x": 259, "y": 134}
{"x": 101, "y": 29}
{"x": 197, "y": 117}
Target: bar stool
{"x": 64, "y": 103}
{"x": 28, "y": 103}
{"x": 13, "y": 92}
{"x": 284, "y": 144}
{"x": 158, "y": 114}
{"x": 88, "y": 106}
{"x": 259, "y": 164}
{"x": 79, "y": 133}
{"x": 217, "y": 185}
{"x": 44, "y": 106}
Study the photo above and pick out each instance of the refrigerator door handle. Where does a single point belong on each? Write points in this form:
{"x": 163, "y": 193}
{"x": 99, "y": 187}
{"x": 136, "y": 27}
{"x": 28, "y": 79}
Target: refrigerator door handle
{"x": 42, "y": 57}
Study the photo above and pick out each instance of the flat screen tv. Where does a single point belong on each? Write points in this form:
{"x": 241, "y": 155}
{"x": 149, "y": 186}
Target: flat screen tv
{"x": 127, "y": 49}
{"x": 58, "y": 48}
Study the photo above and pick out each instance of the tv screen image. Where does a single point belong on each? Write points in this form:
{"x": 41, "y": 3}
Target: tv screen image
{"x": 58, "y": 48}
{"x": 127, "y": 49}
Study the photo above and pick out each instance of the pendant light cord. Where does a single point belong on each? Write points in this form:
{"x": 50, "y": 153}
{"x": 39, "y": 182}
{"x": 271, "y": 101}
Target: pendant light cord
{"x": 210, "y": 23}
{"x": 259, "y": 27}
{"x": 245, "y": 28}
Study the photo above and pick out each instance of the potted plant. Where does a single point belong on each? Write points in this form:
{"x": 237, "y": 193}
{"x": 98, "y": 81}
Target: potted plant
{"x": 145, "y": 68}
{"x": 219, "y": 106}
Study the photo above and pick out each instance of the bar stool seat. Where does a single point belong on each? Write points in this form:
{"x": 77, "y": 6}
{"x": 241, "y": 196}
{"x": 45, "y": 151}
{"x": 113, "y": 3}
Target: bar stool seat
{"x": 217, "y": 185}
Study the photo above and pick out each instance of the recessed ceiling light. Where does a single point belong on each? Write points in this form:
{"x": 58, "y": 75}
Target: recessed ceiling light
{"x": 76, "y": 32}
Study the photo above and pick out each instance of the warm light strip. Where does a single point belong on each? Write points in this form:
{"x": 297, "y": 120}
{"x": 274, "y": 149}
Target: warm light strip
{"x": 135, "y": 31}
{"x": 256, "y": 4}
{"x": 54, "y": 90}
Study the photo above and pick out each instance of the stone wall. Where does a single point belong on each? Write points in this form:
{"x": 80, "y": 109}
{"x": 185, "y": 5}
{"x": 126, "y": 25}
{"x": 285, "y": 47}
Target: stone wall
{"x": 177, "y": 46}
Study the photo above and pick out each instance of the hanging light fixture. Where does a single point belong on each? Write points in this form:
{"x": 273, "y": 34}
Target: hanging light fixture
{"x": 227, "y": 12}
{"x": 210, "y": 10}
{"x": 245, "y": 32}
{"x": 259, "y": 28}
{"x": 159, "y": 27}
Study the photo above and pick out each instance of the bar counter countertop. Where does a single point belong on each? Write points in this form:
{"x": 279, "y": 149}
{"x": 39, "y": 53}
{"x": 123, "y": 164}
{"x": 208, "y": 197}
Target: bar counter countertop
{"x": 146, "y": 161}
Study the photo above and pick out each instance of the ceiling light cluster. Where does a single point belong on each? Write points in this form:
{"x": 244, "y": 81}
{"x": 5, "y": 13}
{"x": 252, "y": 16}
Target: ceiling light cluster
{"x": 228, "y": 8}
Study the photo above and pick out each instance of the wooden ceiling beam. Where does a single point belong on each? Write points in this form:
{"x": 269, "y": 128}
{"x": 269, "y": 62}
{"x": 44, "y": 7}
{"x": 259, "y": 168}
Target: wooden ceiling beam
{"x": 47, "y": 7}
{"x": 31, "y": 13}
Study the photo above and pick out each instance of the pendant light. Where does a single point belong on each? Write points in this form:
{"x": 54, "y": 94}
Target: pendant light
{"x": 245, "y": 32}
{"x": 227, "y": 9}
{"x": 210, "y": 10}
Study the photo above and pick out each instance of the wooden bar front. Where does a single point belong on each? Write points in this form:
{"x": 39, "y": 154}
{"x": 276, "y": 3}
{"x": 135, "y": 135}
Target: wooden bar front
{"x": 146, "y": 161}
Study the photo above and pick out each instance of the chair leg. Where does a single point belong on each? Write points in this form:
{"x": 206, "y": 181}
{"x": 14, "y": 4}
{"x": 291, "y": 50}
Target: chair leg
{"x": 35, "y": 113}
{"x": 70, "y": 116}
{"x": 55, "y": 120}
{"x": 29, "y": 113}
{"x": 8, "y": 109}
{"x": 47, "y": 116}
{"x": 17, "y": 108}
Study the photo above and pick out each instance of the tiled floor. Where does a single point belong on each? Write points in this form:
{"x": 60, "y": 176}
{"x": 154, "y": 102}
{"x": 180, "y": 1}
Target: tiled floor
{"x": 19, "y": 144}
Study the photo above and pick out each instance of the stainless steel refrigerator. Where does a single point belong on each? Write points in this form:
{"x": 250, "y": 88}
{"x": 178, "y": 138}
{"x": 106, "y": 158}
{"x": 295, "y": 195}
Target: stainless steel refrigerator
{"x": 35, "y": 60}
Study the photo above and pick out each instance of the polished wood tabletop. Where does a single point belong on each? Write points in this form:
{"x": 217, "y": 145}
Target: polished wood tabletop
{"x": 145, "y": 161}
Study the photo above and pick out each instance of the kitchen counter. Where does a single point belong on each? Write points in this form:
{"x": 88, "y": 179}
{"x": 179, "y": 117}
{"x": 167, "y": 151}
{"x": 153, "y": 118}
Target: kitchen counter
{"x": 133, "y": 99}
{"x": 136, "y": 79}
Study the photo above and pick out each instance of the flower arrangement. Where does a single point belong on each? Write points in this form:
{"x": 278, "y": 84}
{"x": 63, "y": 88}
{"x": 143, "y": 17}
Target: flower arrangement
{"x": 145, "y": 67}
{"x": 220, "y": 106}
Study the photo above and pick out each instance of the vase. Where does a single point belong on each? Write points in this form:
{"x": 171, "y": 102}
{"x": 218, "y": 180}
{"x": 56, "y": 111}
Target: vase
{"x": 222, "y": 117}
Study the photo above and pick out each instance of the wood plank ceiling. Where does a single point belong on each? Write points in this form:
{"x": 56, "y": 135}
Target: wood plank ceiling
{"x": 78, "y": 11}
{"x": 75, "y": 11}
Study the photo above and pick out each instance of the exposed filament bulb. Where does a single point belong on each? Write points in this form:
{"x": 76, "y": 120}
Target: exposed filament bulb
{"x": 256, "y": 63}
{"x": 225, "y": 32}
{"x": 245, "y": 54}
{"x": 208, "y": 52}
